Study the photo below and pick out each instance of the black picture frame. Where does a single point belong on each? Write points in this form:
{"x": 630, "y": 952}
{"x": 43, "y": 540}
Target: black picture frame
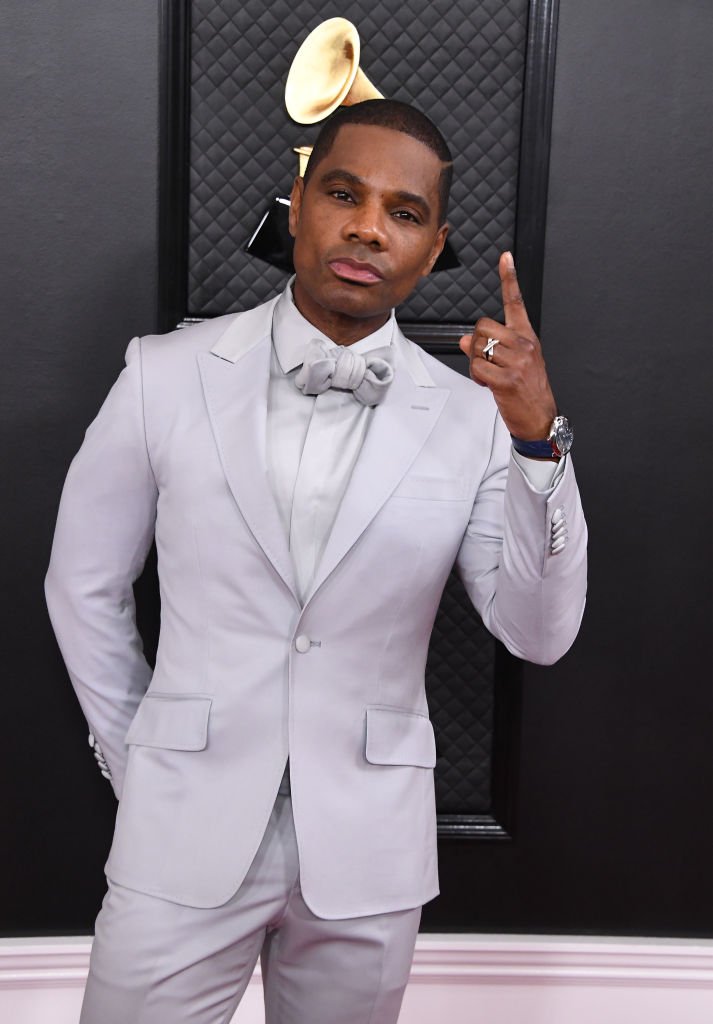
{"x": 440, "y": 340}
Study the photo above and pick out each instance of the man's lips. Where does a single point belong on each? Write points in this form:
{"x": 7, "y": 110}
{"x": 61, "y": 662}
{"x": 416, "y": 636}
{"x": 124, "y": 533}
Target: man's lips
{"x": 354, "y": 270}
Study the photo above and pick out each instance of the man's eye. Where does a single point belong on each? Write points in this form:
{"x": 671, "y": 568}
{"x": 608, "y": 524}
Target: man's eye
{"x": 339, "y": 193}
{"x": 406, "y": 215}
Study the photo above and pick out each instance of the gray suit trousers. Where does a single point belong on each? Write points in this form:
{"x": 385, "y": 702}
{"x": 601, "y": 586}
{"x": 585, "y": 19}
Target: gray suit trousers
{"x": 158, "y": 962}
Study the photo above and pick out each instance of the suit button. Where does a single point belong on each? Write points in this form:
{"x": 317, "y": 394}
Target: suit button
{"x": 302, "y": 643}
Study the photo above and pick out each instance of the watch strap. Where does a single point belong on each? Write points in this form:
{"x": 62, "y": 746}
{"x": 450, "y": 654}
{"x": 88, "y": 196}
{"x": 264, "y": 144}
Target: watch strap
{"x": 534, "y": 449}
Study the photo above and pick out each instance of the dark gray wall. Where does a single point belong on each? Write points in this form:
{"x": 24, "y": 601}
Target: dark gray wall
{"x": 628, "y": 321}
{"x": 614, "y": 809}
{"x": 78, "y": 165}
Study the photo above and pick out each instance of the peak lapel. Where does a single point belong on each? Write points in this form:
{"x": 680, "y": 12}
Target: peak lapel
{"x": 235, "y": 387}
{"x": 400, "y": 428}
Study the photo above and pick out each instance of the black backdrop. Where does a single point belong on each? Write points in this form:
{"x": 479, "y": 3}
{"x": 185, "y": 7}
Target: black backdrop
{"x": 614, "y": 819}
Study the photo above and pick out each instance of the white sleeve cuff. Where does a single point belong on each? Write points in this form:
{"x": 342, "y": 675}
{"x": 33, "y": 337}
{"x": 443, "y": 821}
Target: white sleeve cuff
{"x": 539, "y": 473}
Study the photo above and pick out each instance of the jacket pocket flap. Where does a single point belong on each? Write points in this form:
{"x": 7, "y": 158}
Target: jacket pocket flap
{"x": 172, "y": 721}
{"x": 397, "y": 737}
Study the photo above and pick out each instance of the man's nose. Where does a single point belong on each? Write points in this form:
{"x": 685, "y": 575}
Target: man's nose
{"x": 367, "y": 225}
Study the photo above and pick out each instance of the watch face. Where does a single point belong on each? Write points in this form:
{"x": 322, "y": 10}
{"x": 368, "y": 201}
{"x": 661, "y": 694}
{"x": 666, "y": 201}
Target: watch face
{"x": 561, "y": 435}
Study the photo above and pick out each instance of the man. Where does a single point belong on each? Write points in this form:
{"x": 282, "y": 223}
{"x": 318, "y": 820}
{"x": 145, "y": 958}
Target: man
{"x": 311, "y": 477}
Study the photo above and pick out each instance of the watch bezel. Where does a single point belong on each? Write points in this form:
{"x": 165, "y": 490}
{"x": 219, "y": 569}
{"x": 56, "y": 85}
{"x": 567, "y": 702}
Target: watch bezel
{"x": 560, "y": 436}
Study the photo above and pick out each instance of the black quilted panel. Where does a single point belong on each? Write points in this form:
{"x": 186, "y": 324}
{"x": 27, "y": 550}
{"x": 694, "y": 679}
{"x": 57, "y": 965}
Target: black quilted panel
{"x": 463, "y": 65}
{"x": 460, "y": 61}
{"x": 459, "y": 683}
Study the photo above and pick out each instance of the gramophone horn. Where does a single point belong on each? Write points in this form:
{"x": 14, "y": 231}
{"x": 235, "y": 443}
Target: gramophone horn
{"x": 325, "y": 73}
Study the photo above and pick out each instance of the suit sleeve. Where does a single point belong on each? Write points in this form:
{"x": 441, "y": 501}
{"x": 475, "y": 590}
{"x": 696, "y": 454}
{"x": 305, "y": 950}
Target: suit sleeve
{"x": 104, "y": 530}
{"x": 523, "y": 558}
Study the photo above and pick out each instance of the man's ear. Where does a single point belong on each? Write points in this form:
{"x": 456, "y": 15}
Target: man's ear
{"x": 296, "y": 204}
{"x": 438, "y": 243}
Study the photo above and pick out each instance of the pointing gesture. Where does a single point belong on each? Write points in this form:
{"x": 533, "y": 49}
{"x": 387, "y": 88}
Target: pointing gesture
{"x": 507, "y": 358}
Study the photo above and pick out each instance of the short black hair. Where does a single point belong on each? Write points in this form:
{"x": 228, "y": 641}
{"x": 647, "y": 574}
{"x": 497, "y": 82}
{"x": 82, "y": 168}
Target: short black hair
{"x": 400, "y": 117}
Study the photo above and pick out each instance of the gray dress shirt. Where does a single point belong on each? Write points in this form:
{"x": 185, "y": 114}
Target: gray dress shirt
{"x": 313, "y": 441}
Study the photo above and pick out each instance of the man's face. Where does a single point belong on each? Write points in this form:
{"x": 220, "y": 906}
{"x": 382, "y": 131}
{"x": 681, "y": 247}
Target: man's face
{"x": 366, "y": 226}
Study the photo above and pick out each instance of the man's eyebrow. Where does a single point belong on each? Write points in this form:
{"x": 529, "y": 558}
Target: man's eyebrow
{"x": 413, "y": 198}
{"x": 341, "y": 175}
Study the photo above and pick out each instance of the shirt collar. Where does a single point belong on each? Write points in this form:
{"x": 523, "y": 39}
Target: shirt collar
{"x": 291, "y": 333}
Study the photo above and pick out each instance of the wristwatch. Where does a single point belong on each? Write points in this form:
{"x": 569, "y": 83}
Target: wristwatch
{"x": 557, "y": 443}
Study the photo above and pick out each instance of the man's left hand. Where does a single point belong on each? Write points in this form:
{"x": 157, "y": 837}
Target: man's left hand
{"x": 516, "y": 373}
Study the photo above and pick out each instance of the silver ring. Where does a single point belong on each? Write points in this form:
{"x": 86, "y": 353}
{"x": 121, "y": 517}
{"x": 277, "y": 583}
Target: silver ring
{"x": 488, "y": 349}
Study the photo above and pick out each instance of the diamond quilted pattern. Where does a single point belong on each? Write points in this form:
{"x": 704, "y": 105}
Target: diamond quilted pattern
{"x": 459, "y": 683}
{"x": 460, "y": 61}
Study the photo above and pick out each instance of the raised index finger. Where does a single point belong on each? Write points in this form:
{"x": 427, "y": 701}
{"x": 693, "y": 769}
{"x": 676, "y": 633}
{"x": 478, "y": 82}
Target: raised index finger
{"x": 513, "y": 302}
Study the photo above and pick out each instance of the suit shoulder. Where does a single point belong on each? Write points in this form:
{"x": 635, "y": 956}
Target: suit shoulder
{"x": 227, "y": 336}
{"x": 186, "y": 341}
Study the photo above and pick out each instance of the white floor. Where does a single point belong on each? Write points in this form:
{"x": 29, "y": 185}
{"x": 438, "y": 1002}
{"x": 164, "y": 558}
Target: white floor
{"x": 456, "y": 979}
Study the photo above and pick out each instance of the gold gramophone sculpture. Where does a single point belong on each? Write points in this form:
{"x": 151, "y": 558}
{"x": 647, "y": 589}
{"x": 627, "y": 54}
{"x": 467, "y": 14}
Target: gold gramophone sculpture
{"x": 324, "y": 75}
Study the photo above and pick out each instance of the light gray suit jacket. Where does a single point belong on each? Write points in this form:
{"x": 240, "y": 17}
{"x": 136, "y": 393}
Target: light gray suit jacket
{"x": 244, "y": 673}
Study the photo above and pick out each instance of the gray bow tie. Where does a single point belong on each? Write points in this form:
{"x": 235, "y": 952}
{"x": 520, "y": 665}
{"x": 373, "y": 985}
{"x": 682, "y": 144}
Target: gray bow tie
{"x": 326, "y": 366}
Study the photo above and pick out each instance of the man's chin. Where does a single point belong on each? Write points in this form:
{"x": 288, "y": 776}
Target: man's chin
{"x": 356, "y": 300}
